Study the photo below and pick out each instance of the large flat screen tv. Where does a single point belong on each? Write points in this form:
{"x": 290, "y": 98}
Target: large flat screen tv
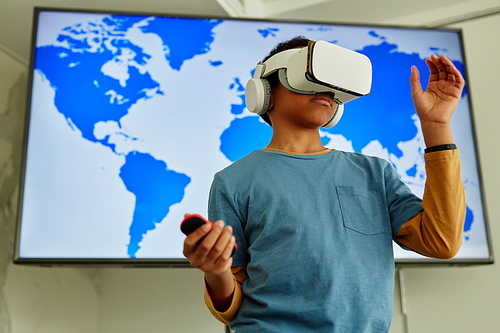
{"x": 130, "y": 115}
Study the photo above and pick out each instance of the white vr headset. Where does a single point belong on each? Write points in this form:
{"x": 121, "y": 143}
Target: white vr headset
{"x": 319, "y": 67}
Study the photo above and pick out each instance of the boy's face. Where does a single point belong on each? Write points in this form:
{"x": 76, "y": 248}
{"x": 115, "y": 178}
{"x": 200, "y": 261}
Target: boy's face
{"x": 307, "y": 111}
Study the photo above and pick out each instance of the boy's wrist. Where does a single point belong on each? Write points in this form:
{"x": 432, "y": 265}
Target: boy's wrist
{"x": 220, "y": 287}
{"x": 440, "y": 147}
{"x": 437, "y": 134}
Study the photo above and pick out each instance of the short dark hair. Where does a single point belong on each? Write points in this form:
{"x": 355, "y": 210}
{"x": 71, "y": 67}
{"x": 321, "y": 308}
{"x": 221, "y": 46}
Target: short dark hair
{"x": 298, "y": 41}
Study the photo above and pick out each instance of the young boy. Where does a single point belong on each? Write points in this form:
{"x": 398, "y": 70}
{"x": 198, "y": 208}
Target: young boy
{"x": 315, "y": 226}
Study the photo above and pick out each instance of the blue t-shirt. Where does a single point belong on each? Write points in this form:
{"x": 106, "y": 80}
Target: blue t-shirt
{"x": 315, "y": 233}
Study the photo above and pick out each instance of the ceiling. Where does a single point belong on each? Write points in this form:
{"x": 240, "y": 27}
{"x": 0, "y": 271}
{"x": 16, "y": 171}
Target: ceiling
{"x": 16, "y": 15}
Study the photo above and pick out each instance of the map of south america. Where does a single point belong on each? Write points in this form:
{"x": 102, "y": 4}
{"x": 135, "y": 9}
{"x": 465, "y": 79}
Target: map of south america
{"x": 156, "y": 189}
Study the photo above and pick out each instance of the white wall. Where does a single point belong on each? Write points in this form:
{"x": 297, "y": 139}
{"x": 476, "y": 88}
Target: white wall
{"x": 51, "y": 300}
{"x": 154, "y": 300}
{"x": 70, "y": 300}
{"x": 10, "y": 72}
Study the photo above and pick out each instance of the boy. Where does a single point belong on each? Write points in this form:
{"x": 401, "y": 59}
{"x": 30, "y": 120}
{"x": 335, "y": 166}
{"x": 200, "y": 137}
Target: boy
{"x": 314, "y": 226}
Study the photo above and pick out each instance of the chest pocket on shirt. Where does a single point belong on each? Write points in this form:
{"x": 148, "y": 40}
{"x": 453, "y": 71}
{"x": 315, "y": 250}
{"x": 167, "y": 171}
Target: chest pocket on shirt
{"x": 362, "y": 209}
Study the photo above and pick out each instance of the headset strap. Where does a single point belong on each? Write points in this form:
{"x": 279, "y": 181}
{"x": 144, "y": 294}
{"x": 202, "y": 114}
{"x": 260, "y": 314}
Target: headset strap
{"x": 277, "y": 61}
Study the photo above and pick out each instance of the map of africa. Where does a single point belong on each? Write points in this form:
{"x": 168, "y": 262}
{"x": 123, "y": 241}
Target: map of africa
{"x": 131, "y": 116}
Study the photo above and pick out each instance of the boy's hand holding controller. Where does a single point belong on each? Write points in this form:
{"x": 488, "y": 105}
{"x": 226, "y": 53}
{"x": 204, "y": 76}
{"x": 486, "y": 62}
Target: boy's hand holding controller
{"x": 209, "y": 248}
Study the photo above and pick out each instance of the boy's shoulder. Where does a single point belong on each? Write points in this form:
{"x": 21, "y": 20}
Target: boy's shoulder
{"x": 247, "y": 162}
{"x": 367, "y": 163}
{"x": 363, "y": 157}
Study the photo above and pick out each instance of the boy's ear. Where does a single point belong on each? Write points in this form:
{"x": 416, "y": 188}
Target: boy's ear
{"x": 271, "y": 105}
{"x": 271, "y": 101}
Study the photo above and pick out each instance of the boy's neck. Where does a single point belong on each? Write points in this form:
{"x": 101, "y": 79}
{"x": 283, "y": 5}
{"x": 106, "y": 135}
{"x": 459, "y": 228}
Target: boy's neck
{"x": 300, "y": 142}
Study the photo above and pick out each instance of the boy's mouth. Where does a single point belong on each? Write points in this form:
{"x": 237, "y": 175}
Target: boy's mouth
{"x": 323, "y": 98}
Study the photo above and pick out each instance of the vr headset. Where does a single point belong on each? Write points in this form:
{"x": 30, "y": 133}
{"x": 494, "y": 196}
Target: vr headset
{"x": 319, "y": 67}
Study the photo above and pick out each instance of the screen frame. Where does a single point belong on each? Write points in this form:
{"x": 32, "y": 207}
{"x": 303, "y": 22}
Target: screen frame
{"x": 182, "y": 263}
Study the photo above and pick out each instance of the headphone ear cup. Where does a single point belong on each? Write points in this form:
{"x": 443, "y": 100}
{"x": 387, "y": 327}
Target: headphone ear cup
{"x": 258, "y": 95}
{"x": 336, "y": 117}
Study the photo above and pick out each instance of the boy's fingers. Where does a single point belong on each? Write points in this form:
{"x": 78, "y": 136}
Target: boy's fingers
{"x": 215, "y": 257}
{"x": 212, "y": 237}
{"x": 193, "y": 238}
{"x": 229, "y": 249}
{"x": 205, "y": 249}
{"x": 224, "y": 261}
{"x": 221, "y": 244}
{"x": 209, "y": 247}
{"x": 416, "y": 87}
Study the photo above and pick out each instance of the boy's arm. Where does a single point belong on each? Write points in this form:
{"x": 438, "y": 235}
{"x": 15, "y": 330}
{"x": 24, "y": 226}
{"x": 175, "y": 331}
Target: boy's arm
{"x": 221, "y": 287}
{"x": 209, "y": 249}
{"x": 437, "y": 231}
{"x": 228, "y": 314}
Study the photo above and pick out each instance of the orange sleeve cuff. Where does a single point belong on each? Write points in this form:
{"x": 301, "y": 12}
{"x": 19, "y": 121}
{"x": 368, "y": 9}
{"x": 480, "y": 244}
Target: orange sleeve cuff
{"x": 239, "y": 275}
{"x": 437, "y": 232}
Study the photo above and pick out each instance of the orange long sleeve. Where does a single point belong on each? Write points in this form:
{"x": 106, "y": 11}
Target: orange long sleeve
{"x": 239, "y": 275}
{"x": 437, "y": 231}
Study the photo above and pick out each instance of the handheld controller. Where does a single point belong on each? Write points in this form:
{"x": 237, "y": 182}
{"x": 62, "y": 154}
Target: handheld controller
{"x": 194, "y": 221}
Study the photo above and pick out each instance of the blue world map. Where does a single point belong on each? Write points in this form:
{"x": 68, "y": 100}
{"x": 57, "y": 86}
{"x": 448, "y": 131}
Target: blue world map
{"x": 86, "y": 95}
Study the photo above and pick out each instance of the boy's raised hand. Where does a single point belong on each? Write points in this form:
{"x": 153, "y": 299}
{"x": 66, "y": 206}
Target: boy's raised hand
{"x": 436, "y": 105}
